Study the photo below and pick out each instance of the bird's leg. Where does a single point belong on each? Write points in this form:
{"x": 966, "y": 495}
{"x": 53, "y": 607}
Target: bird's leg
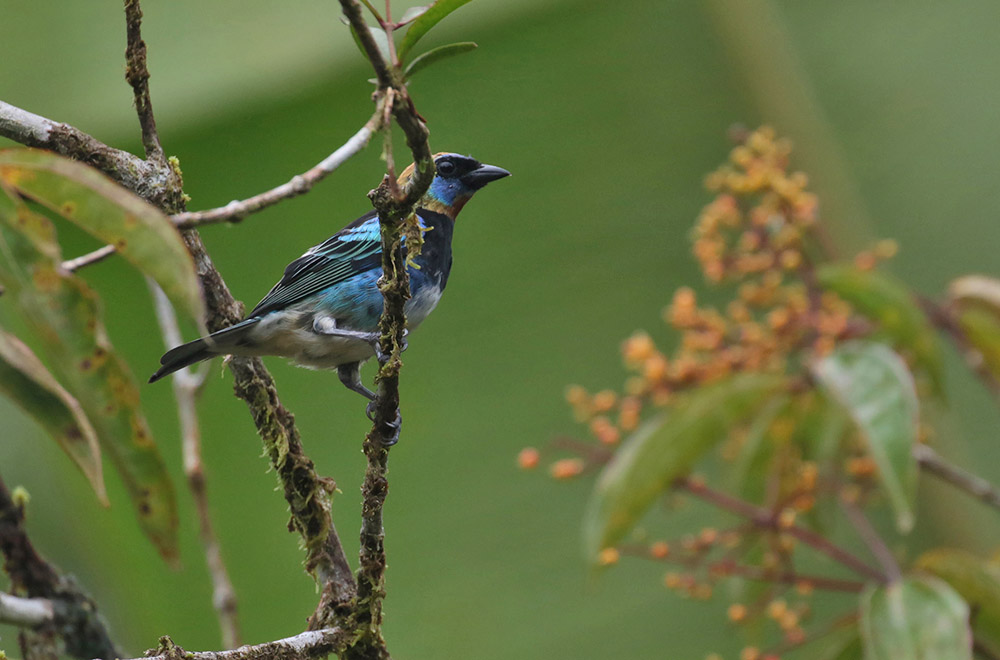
{"x": 324, "y": 325}
{"x": 350, "y": 376}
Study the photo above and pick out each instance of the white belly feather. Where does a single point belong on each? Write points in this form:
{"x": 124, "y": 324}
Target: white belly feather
{"x": 291, "y": 334}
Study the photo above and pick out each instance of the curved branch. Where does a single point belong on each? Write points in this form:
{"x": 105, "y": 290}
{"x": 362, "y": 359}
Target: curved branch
{"x": 974, "y": 485}
{"x": 100, "y": 254}
{"x": 304, "y": 646}
{"x": 300, "y": 184}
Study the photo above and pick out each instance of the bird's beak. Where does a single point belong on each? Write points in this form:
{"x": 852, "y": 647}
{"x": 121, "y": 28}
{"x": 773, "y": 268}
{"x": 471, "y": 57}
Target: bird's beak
{"x": 482, "y": 175}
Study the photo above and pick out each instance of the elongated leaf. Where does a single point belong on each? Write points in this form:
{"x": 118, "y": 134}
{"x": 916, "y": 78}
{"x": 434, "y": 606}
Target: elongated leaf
{"x": 425, "y": 22}
{"x": 976, "y": 301}
{"x": 378, "y": 34}
{"x": 26, "y": 381}
{"x": 423, "y": 61}
{"x": 64, "y": 314}
{"x": 876, "y": 389}
{"x": 756, "y": 451}
{"x": 664, "y": 449}
{"x": 841, "y": 645}
{"x": 977, "y": 581}
{"x": 143, "y": 235}
{"x": 890, "y": 304}
{"x": 917, "y": 618}
{"x": 825, "y": 432}
{"x": 412, "y": 14}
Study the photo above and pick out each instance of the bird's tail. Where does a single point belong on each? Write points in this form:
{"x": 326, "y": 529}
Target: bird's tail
{"x": 217, "y": 343}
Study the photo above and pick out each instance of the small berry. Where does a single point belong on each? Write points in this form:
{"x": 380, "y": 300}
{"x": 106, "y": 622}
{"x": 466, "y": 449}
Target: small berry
{"x": 566, "y": 468}
{"x": 609, "y": 556}
{"x": 659, "y": 550}
{"x": 737, "y": 612}
{"x": 527, "y": 459}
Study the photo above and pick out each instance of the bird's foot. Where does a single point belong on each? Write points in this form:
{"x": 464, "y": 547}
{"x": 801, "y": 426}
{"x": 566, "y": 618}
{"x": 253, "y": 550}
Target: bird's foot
{"x": 391, "y": 431}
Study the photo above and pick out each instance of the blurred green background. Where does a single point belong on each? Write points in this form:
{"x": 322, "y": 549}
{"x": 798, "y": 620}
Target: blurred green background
{"x": 608, "y": 114}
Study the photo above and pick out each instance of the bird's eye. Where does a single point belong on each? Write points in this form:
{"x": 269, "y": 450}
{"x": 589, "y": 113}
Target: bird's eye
{"x": 445, "y": 168}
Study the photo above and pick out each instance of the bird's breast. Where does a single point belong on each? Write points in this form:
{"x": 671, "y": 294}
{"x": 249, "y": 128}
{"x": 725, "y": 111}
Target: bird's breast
{"x": 424, "y": 297}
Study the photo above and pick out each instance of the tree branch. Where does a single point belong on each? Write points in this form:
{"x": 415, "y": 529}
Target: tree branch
{"x": 129, "y": 170}
{"x": 304, "y": 646}
{"x": 186, "y": 386}
{"x": 972, "y": 484}
{"x": 75, "y": 612}
{"x": 306, "y": 493}
{"x": 944, "y": 320}
{"x": 300, "y": 184}
{"x": 872, "y": 539}
{"x": 137, "y": 75}
{"x": 26, "y": 612}
{"x": 100, "y": 254}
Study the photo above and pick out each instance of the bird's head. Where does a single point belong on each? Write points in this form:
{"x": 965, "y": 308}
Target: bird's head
{"x": 456, "y": 179}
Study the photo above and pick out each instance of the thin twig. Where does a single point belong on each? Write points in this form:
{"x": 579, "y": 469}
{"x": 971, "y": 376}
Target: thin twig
{"x": 764, "y": 518}
{"x": 974, "y": 485}
{"x": 729, "y": 567}
{"x": 137, "y": 75}
{"x": 300, "y": 184}
{"x": 27, "y": 612}
{"x": 186, "y": 386}
{"x": 761, "y": 574}
{"x": 304, "y": 646}
{"x": 872, "y": 539}
{"x": 236, "y": 211}
{"x": 943, "y": 318}
{"x": 100, "y": 254}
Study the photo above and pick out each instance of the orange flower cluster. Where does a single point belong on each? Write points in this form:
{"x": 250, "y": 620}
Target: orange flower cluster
{"x": 757, "y": 236}
{"x": 760, "y": 236}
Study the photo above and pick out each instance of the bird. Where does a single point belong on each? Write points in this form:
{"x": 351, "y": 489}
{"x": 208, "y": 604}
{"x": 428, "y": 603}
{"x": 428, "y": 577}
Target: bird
{"x": 324, "y": 312}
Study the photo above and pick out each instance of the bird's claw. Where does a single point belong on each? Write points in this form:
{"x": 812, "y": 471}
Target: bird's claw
{"x": 376, "y": 345}
{"x": 391, "y": 429}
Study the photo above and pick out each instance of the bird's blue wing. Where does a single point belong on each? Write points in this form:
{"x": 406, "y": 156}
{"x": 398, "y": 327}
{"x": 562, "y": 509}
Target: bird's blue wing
{"x": 354, "y": 249}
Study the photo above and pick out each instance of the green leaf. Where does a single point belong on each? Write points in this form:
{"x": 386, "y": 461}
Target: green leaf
{"x": 412, "y": 14}
{"x": 917, "y": 618}
{"x": 26, "y": 382}
{"x": 664, "y": 449}
{"x": 825, "y": 432}
{"x": 842, "y": 645}
{"x": 64, "y": 315}
{"x": 756, "y": 452}
{"x": 421, "y": 62}
{"x": 144, "y": 236}
{"x": 425, "y": 22}
{"x": 977, "y": 581}
{"x": 889, "y": 303}
{"x": 976, "y": 301}
{"x": 876, "y": 389}
{"x": 378, "y": 34}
